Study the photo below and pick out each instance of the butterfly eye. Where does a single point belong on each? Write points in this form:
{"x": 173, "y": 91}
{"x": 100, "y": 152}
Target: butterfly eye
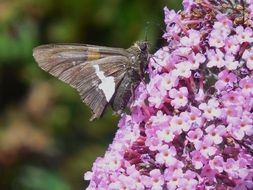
{"x": 143, "y": 46}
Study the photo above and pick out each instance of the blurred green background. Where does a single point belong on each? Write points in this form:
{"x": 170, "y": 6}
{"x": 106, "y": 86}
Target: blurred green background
{"x": 46, "y": 139}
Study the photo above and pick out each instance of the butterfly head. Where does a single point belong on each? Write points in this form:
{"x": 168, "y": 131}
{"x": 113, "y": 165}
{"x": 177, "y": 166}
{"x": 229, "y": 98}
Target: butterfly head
{"x": 143, "y": 46}
{"x": 143, "y": 55}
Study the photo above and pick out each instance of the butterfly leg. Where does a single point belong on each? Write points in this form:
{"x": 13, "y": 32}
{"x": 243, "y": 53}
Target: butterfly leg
{"x": 133, "y": 91}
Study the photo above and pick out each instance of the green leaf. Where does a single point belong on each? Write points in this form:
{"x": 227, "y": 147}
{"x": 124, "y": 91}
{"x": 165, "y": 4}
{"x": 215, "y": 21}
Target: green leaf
{"x": 40, "y": 179}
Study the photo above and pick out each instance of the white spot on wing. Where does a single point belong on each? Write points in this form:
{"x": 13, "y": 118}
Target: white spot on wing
{"x": 107, "y": 84}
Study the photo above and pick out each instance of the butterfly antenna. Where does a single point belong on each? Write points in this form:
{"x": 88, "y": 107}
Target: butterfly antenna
{"x": 146, "y": 31}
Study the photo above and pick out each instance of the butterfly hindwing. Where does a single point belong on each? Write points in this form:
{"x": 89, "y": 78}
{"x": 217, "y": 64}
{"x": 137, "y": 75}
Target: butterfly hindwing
{"x": 125, "y": 89}
{"x": 98, "y": 89}
{"x": 95, "y": 71}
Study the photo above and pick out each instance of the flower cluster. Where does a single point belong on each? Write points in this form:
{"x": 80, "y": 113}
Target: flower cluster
{"x": 191, "y": 126}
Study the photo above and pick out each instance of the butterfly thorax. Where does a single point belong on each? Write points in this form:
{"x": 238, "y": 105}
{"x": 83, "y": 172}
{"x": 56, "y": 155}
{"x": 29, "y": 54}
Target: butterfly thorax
{"x": 139, "y": 56}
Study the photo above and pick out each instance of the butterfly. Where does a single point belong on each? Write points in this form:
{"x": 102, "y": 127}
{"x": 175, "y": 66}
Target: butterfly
{"x": 103, "y": 76}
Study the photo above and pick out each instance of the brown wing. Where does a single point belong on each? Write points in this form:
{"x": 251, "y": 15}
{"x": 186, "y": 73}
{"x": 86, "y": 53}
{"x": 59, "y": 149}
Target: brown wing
{"x": 94, "y": 71}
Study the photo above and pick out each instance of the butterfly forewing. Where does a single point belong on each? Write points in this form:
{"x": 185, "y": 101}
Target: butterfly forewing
{"x": 95, "y": 71}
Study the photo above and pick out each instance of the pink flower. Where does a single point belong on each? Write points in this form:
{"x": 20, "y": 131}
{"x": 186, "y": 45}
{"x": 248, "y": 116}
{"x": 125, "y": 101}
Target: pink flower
{"x": 230, "y": 62}
{"x": 193, "y": 38}
{"x": 182, "y": 52}
{"x": 198, "y": 160}
{"x": 232, "y": 113}
{"x": 246, "y": 123}
{"x": 241, "y": 127}
{"x": 154, "y": 143}
{"x": 216, "y": 39}
{"x": 211, "y": 109}
{"x": 170, "y": 15}
{"x": 223, "y": 24}
{"x": 166, "y": 155}
{"x": 208, "y": 172}
{"x": 248, "y": 56}
{"x": 216, "y": 58}
{"x": 113, "y": 161}
{"x": 156, "y": 100}
{"x": 185, "y": 184}
{"x": 160, "y": 119}
{"x": 244, "y": 171}
{"x": 243, "y": 185}
{"x": 168, "y": 81}
{"x": 195, "y": 135}
{"x": 190, "y": 126}
{"x": 231, "y": 45}
{"x": 183, "y": 69}
{"x": 226, "y": 79}
{"x": 205, "y": 147}
{"x": 194, "y": 60}
{"x": 215, "y": 133}
{"x": 244, "y": 35}
{"x": 246, "y": 85}
{"x": 231, "y": 166}
{"x": 156, "y": 180}
{"x": 217, "y": 163}
{"x": 157, "y": 94}
{"x": 190, "y": 177}
{"x": 236, "y": 132}
{"x": 233, "y": 98}
{"x": 140, "y": 96}
{"x": 177, "y": 124}
{"x": 174, "y": 178}
{"x": 136, "y": 178}
{"x": 179, "y": 97}
{"x": 188, "y": 4}
{"x": 165, "y": 134}
{"x": 193, "y": 117}
{"x": 160, "y": 61}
